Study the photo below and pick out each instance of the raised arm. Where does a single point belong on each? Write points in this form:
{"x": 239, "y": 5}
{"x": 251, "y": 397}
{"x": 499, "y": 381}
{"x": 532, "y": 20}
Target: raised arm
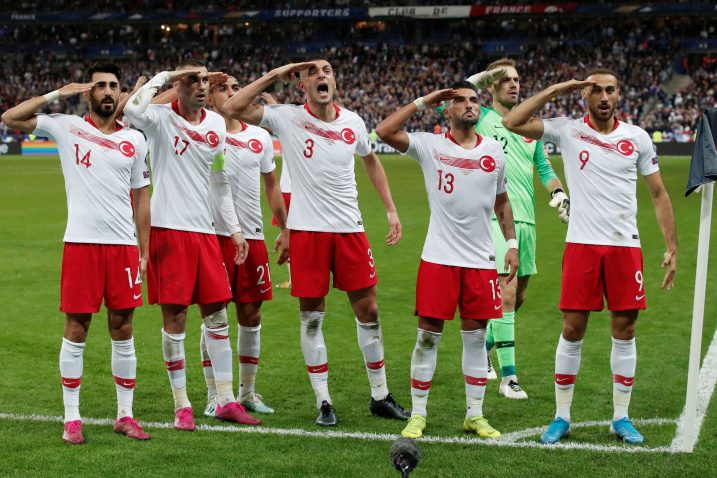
{"x": 22, "y": 117}
{"x": 241, "y": 106}
{"x": 124, "y": 97}
{"x": 520, "y": 119}
{"x": 136, "y": 107}
{"x": 389, "y": 130}
{"x": 504, "y": 214}
{"x": 666, "y": 220}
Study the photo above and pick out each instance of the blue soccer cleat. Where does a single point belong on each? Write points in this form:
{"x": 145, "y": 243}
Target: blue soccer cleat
{"x": 557, "y": 429}
{"x": 626, "y": 431}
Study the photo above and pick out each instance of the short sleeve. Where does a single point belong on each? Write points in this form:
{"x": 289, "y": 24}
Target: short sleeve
{"x": 48, "y": 126}
{"x": 267, "y": 164}
{"x": 273, "y": 116}
{"x": 140, "y": 170}
{"x": 553, "y": 129}
{"x": 149, "y": 120}
{"x": 363, "y": 143}
{"x": 647, "y": 162}
{"x": 417, "y": 146}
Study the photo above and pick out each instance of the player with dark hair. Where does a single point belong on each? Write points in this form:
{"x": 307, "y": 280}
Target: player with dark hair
{"x": 464, "y": 175}
{"x": 602, "y": 158}
{"x": 319, "y": 140}
{"x": 102, "y": 162}
{"x": 186, "y": 266}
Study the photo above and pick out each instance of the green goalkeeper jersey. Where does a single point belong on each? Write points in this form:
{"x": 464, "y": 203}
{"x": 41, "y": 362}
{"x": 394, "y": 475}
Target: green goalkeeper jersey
{"x": 521, "y": 154}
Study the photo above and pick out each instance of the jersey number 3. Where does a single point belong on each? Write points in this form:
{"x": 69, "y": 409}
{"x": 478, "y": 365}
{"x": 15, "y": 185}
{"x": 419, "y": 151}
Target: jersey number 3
{"x": 309, "y": 151}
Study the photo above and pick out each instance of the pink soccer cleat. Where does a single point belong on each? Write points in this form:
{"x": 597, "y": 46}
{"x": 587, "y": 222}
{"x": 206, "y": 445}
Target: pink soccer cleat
{"x": 184, "y": 420}
{"x": 73, "y": 433}
{"x": 235, "y": 412}
{"x": 129, "y": 426}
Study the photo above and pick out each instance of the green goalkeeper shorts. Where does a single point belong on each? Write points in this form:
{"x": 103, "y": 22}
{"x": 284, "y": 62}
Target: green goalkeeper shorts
{"x": 525, "y": 234}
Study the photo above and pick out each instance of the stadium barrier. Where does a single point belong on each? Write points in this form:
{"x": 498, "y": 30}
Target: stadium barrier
{"x": 10, "y": 148}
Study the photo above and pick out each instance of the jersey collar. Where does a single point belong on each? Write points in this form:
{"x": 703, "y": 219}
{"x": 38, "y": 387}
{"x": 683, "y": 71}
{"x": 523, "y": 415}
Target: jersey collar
{"x": 586, "y": 120}
{"x": 175, "y": 108}
{"x": 449, "y": 136}
{"x": 308, "y": 110}
{"x": 89, "y": 119}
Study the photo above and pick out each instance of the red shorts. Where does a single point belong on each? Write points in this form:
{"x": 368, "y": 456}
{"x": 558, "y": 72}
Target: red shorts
{"x": 440, "y": 288}
{"x": 287, "y": 201}
{"x": 91, "y": 272}
{"x": 315, "y": 254}
{"x": 251, "y": 281}
{"x": 591, "y": 272}
{"x": 185, "y": 268}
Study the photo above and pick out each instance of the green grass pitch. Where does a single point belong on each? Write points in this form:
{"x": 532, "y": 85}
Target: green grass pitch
{"x": 32, "y": 221}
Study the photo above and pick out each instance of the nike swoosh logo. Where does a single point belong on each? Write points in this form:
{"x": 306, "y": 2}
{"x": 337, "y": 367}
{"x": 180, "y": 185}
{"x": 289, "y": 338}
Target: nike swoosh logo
{"x": 262, "y": 291}
{"x": 137, "y": 296}
{"x": 561, "y": 380}
{"x": 372, "y": 275}
{"x": 496, "y": 307}
{"x": 639, "y": 297}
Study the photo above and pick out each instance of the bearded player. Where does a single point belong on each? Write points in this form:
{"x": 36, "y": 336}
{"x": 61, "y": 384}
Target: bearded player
{"x": 602, "y": 158}
{"x": 319, "y": 140}
{"x": 186, "y": 266}
{"x": 464, "y": 175}
{"x": 102, "y": 162}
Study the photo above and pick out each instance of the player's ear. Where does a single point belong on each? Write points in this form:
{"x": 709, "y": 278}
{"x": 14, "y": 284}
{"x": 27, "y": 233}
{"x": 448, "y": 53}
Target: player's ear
{"x": 301, "y": 85}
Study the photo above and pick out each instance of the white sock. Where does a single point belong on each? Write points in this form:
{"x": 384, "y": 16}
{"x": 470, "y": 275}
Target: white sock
{"x": 248, "y": 348}
{"x": 220, "y": 353}
{"x": 71, "y": 374}
{"x": 207, "y": 367}
{"x": 623, "y": 361}
{"x": 124, "y": 371}
{"x": 315, "y": 356}
{"x": 475, "y": 370}
{"x": 423, "y": 365}
{"x": 173, "y": 352}
{"x": 370, "y": 339}
{"x": 567, "y": 365}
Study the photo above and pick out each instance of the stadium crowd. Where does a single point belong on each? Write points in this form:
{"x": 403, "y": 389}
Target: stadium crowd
{"x": 380, "y": 66}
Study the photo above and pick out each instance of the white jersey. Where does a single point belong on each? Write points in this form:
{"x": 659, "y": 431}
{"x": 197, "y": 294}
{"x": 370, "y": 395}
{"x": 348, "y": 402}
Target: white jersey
{"x": 100, "y": 170}
{"x": 461, "y": 185}
{"x": 182, "y": 155}
{"x": 249, "y": 154}
{"x": 601, "y": 174}
{"x": 320, "y": 158}
{"x": 285, "y": 178}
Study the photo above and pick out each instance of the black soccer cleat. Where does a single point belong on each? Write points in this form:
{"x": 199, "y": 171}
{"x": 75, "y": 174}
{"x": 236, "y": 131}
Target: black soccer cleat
{"x": 388, "y": 408}
{"x": 327, "y": 415}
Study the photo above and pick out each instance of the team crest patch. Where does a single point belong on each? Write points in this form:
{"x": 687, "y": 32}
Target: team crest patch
{"x": 625, "y": 147}
{"x": 127, "y": 149}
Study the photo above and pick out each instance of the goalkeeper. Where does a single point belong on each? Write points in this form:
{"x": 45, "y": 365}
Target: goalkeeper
{"x": 522, "y": 155}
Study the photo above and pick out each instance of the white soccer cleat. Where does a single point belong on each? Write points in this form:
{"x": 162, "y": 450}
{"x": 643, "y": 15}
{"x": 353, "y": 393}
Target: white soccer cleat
{"x": 511, "y": 389}
{"x": 254, "y": 402}
{"x": 211, "y": 408}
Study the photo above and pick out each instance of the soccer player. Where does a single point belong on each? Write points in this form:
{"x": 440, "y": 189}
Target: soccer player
{"x": 523, "y": 155}
{"x": 101, "y": 162}
{"x": 602, "y": 158}
{"x": 319, "y": 140}
{"x": 464, "y": 175}
{"x": 249, "y": 159}
{"x": 186, "y": 143}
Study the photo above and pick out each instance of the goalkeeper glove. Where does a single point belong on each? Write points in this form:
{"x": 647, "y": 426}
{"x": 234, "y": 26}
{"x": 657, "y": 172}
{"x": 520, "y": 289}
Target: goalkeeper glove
{"x": 562, "y": 202}
{"x": 486, "y": 78}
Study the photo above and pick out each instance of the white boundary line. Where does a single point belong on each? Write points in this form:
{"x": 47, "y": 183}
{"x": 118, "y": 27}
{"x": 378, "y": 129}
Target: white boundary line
{"x": 509, "y": 440}
{"x": 705, "y": 389}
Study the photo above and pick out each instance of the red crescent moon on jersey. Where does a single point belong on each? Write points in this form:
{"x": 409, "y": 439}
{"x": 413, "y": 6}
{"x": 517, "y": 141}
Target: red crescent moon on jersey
{"x": 127, "y": 148}
{"x": 486, "y": 163}
{"x": 348, "y": 136}
{"x": 212, "y": 139}
{"x": 255, "y": 146}
{"x": 625, "y": 147}
{"x": 528, "y": 140}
